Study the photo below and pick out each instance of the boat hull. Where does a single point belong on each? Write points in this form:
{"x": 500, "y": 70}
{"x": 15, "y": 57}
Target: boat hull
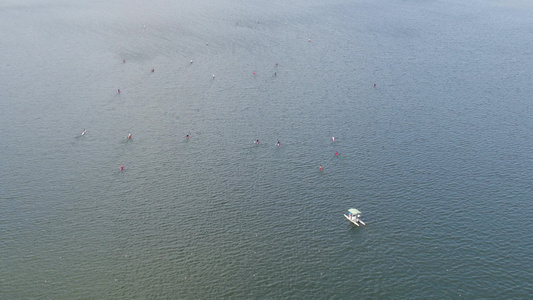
{"x": 353, "y": 221}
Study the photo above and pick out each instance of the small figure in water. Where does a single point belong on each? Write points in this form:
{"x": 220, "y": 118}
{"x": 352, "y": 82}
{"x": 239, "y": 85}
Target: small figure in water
{"x": 191, "y": 61}
{"x": 257, "y": 142}
{"x": 276, "y": 65}
{"x": 187, "y": 137}
{"x": 278, "y": 143}
{"x": 275, "y": 74}
{"x": 121, "y": 167}
{"x": 332, "y": 138}
{"x": 124, "y": 61}
{"x": 83, "y": 132}
{"x": 336, "y": 153}
{"x": 129, "y": 136}
{"x": 254, "y": 73}
{"x": 320, "y": 167}
{"x": 118, "y": 91}
{"x": 153, "y": 70}
{"x": 374, "y": 85}
{"x": 213, "y": 76}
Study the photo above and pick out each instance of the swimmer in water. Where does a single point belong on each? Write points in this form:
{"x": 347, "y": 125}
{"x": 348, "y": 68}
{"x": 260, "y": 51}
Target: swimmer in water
{"x": 336, "y": 153}
{"x": 153, "y": 70}
{"x": 332, "y": 138}
{"x": 83, "y": 132}
{"x": 257, "y": 142}
{"x": 278, "y": 143}
{"x": 121, "y": 167}
{"x": 118, "y": 91}
{"x": 276, "y": 65}
{"x": 213, "y": 76}
{"x": 129, "y": 136}
{"x": 191, "y": 61}
{"x": 374, "y": 85}
{"x": 124, "y": 61}
{"x": 187, "y": 136}
{"x": 254, "y": 73}
{"x": 275, "y": 74}
{"x": 320, "y": 168}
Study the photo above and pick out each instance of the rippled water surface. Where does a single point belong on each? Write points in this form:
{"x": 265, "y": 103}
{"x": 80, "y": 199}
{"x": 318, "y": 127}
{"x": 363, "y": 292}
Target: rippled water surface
{"x": 437, "y": 155}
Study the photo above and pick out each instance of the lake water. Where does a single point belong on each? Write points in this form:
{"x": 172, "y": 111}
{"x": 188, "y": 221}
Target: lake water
{"x": 438, "y": 155}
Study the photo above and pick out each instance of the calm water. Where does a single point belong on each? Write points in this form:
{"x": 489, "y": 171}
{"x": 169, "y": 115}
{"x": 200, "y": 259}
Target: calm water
{"x": 438, "y": 156}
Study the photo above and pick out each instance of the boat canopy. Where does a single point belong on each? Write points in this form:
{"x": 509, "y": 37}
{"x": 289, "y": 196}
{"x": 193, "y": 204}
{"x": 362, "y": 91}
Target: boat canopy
{"x": 354, "y": 211}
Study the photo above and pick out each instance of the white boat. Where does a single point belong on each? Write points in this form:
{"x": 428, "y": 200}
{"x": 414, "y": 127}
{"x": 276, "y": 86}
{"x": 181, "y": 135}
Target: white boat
{"x": 354, "y": 216}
